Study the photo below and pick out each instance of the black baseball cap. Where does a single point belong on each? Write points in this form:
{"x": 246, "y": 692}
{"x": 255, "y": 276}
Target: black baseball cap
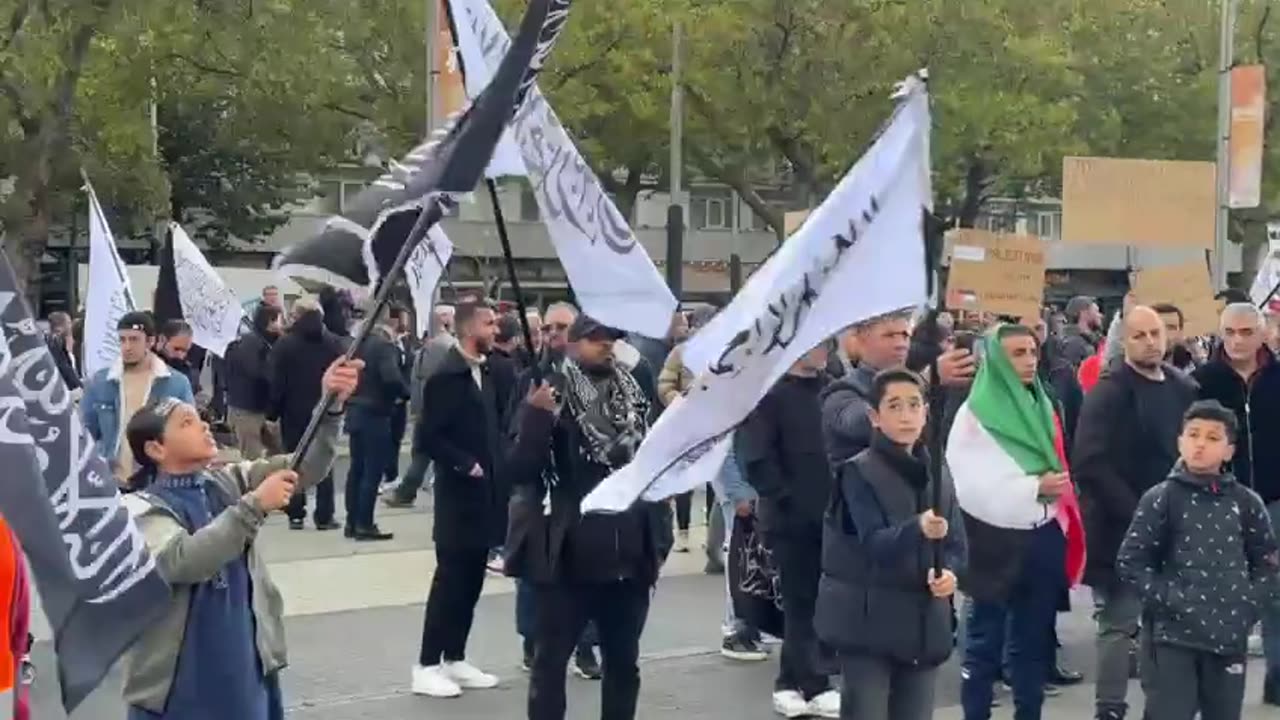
{"x": 138, "y": 320}
{"x": 588, "y": 327}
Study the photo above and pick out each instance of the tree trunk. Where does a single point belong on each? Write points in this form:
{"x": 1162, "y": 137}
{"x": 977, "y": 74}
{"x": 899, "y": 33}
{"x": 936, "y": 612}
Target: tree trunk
{"x": 975, "y": 188}
{"x": 627, "y": 194}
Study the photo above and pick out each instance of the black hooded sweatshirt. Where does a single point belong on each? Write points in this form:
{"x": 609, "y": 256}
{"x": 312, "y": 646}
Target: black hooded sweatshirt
{"x": 297, "y": 363}
{"x": 1256, "y": 404}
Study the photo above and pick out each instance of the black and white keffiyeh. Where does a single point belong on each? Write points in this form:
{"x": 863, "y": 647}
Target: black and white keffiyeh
{"x": 610, "y": 414}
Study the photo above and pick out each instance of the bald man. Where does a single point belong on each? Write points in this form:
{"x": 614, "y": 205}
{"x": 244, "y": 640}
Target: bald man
{"x": 1244, "y": 376}
{"x": 1125, "y": 443}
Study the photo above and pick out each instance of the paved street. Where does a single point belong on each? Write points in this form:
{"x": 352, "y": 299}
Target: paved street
{"x": 355, "y": 614}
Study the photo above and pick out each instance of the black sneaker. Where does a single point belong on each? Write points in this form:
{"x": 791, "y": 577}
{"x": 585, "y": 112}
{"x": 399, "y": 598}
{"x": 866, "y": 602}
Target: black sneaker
{"x": 526, "y": 661}
{"x": 295, "y": 523}
{"x": 1271, "y": 689}
{"x": 372, "y": 534}
{"x": 325, "y": 525}
{"x": 742, "y": 648}
{"x": 1064, "y": 676}
{"x": 585, "y": 665}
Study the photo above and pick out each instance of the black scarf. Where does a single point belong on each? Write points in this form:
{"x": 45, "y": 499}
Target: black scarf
{"x": 912, "y": 466}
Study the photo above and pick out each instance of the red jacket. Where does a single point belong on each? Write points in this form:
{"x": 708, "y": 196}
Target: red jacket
{"x": 1091, "y": 369}
{"x": 15, "y": 607}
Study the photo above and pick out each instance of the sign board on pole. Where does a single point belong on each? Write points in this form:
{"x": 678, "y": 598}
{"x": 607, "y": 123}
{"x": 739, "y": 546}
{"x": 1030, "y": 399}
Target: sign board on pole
{"x": 1145, "y": 203}
{"x": 1186, "y": 286}
{"x": 1248, "y": 110}
{"x": 995, "y": 272}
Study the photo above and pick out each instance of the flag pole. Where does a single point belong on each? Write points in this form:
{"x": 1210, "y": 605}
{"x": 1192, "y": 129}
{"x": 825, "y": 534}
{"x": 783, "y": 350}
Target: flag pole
{"x": 937, "y": 394}
{"x": 431, "y": 214}
{"x": 512, "y": 278}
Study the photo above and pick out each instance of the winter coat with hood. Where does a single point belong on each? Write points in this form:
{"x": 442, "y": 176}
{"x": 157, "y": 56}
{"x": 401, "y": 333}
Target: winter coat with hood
{"x": 1202, "y": 554}
{"x": 247, "y": 369}
{"x": 297, "y": 363}
{"x": 1256, "y": 403}
{"x": 1125, "y": 444}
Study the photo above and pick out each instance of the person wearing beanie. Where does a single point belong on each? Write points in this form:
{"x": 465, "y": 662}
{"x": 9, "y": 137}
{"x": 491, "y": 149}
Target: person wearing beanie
{"x": 136, "y": 378}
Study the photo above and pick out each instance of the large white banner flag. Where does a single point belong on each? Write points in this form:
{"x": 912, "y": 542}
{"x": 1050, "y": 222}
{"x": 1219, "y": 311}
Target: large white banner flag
{"x": 476, "y": 75}
{"x": 612, "y": 275}
{"x": 210, "y": 307}
{"x": 423, "y": 272}
{"x": 108, "y": 295}
{"x": 859, "y": 255}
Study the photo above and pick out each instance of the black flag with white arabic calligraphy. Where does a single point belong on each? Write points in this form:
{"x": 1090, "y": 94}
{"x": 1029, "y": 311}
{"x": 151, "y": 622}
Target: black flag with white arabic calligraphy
{"x": 98, "y": 584}
{"x": 357, "y": 248}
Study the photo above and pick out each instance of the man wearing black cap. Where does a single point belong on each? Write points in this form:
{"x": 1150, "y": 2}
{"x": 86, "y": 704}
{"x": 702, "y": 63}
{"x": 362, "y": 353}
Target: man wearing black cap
{"x": 114, "y": 394}
{"x": 599, "y": 567}
{"x": 1081, "y": 337}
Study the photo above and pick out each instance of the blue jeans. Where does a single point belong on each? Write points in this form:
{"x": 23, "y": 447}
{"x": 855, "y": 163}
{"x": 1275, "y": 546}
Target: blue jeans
{"x": 1027, "y": 613}
{"x": 1271, "y": 616}
{"x": 370, "y": 438}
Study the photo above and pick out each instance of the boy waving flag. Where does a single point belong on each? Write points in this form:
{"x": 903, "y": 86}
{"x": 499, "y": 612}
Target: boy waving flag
{"x": 1026, "y": 537}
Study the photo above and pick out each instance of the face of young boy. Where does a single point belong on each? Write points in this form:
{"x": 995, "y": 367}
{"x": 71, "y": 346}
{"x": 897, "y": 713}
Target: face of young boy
{"x": 187, "y": 440}
{"x": 1205, "y": 446}
{"x": 901, "y": 414}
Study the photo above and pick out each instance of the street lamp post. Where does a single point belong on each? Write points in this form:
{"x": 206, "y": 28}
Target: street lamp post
{"x": 1226, "y": 58}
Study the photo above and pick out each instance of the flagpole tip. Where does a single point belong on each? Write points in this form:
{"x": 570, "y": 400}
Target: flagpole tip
{"x": 917, "y": 80}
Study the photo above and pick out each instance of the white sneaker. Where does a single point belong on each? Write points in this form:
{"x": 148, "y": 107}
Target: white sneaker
{"x": 468, "y": 676}
{"x": 790, "y": 704}
{"x": 434, "y": 682}
{"x": 826, "y": 705}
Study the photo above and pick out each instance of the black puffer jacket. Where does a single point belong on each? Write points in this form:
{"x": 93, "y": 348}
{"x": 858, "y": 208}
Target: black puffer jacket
{"x": 297, "y": 363}
{"x": 1201, "y": 552}
{"x": 247, "y": 373}
{"x": 873, "y": 597}
{"x": 1257, "y": 408}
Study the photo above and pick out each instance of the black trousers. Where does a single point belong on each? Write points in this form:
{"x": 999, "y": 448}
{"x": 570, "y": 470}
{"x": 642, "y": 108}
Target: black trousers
{"x": 799, "y": 569}
{"x": 399, "y": 421}
{"x": 1184, "y": 681}
{"x": 619, "y": 610}
{"x": 451, "y": 604}
{"x": 297, "y": 510}
{"x": 684, "y": 510}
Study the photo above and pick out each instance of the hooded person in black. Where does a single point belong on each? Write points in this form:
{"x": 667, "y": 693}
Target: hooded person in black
{"x": 295, "y": 365}
{"x": 780, "y": 446}
{"x": 248, "y": 380}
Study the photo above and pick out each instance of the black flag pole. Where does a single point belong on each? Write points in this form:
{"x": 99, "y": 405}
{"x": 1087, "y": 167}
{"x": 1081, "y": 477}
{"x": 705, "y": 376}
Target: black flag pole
{"x": 430, "y": 215}
{"x": 509, "y": 258}
{"x": 933, "y": 230}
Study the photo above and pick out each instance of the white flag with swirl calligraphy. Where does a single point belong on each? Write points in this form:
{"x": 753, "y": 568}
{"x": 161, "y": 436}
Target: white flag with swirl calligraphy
{"x": 611, "y": 273}
{"x": 210, "y": 307}
{"x": 859, "y": 255}
{"x": 109, "y": 296}
{"x": 423, "y": 271}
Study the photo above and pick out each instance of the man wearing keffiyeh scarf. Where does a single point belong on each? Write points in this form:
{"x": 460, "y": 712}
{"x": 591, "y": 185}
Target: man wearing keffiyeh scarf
{"x": 583, "y": 422}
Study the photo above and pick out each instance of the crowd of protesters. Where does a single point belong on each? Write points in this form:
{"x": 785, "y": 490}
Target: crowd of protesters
{"x": 1130, "y": 458}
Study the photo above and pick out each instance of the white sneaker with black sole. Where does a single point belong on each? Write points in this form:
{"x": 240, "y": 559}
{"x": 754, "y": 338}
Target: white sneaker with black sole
{"x": 826, "y": 705}
{"x": 742, "y": 649}
{"x": 468, "y": 676}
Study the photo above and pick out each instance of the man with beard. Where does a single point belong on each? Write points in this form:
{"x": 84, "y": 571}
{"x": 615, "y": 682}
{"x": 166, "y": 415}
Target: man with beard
{"x": 505, "y": 362}
{"x": 1244, "y": 376}
{"x": 1177, "y": 354}
{"x": 114, "y": 394}
{"x": 883, "y": 343}
{"x": 295, "y": 366}
{"x": 249, "y": 384}
{"x": 1081, "y": 337}
{"x": 599, "y": 567}
{"x": 175, "y": 346}
{"x": 459, "y": 431}
{"x": 780, "y": 447}
{"x": 1125, "y": 443}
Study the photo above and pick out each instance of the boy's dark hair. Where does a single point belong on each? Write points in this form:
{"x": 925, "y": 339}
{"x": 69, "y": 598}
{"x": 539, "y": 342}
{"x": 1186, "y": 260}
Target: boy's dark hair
{"x": 1170, "y": 309}
{"x": 138, "y": 320}
{"x": 147, "y": 425}
{"x": 883, "y": 379}
{"x": 1213, "y": 411}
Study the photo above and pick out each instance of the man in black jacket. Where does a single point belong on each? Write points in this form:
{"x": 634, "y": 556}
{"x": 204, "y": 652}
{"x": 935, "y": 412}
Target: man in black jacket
{"x": 1244, "y": 376}
{"x": 781, "y": 448}
{"x": 1080, "y": 339}
{"x": 459, "y": 431}
{"x": 294, "y": 367}
{"x": 1125, "y": 443}
{"x": 249, "y": 384}
{"x": 598, "y": 567}
{"x": 370, "y": 413}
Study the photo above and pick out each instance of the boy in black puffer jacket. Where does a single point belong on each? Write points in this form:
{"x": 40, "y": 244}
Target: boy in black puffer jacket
{"x": 1201, "y": 552}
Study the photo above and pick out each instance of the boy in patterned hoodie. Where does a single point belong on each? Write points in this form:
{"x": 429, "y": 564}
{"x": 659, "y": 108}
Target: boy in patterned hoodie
{"x": 1201, "y": 552}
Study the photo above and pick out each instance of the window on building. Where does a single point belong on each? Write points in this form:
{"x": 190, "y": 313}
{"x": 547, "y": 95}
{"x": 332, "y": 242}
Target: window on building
{"x": 716, "y": 214}
{"x": 1049, "y": 225}
{"x": 998, "y": 222}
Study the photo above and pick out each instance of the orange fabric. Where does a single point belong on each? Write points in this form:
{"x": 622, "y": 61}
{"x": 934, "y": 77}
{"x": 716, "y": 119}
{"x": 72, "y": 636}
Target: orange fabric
{"x": 8, "y": 582}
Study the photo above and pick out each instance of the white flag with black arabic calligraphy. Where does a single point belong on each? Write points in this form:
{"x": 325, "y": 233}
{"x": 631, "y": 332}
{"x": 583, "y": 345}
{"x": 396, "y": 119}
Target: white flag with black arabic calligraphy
{"x": 859, "y": 255}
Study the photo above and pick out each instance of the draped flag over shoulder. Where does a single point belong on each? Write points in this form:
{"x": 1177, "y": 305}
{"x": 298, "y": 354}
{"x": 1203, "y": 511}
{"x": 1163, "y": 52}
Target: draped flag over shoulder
{"x": 1002, "y": 440}
{"x": 859, "y": 255}
{"x": 359, "y": 247}
{"x": 210, "y": 307}
{"x": 98, "y": 585}
{"x": 611, "y": 273}
{"x": 109, "y": 295}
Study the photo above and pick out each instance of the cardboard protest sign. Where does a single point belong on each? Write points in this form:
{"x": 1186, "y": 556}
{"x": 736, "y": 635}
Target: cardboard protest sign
{"x": 1147, "y": 203}
{"x": 995, "y": 272}
{"x": 1186, "y": 286}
